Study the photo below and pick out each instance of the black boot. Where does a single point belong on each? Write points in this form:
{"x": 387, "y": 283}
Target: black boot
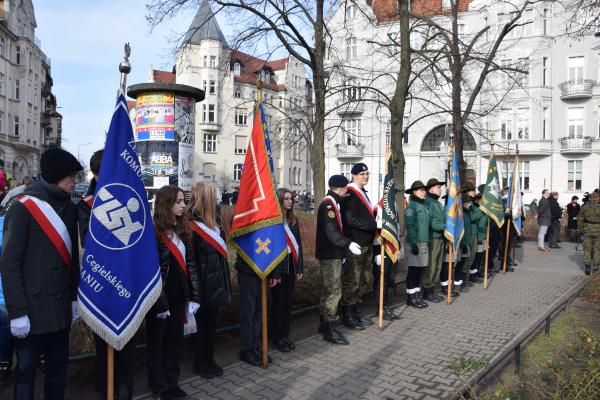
{"x": 322, "y": 327}
{"x": 420, "y": 299}
{"x": 332, "y": 335}
{"x": 357, "y": 314}
{"x": 349, "y": 321}
{"x": 588, "y": 269}
{"x": 453, "y": 292}
{"x": 430, "y": 295}
{"x": 388, "y": 314}
{"x": 413, "y": 301}
{"x": 475, "y": 278}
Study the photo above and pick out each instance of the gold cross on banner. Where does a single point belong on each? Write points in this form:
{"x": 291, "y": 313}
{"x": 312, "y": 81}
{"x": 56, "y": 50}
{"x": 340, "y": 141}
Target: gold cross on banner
{"x": 263, "y": 246}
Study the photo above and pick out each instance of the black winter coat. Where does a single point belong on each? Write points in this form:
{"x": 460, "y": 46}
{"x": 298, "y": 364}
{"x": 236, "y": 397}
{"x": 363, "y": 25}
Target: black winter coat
{"x": 213, "y": 276}
{"x": 36, "y": 281}
{"x": 555, "y": 209}
{"x": 288, "y": 265}
{"x": 84, "y": 211}
{"x": 331, "y": 242}
{"x": 182, "y": 287}
{"x": 359, "y": 223}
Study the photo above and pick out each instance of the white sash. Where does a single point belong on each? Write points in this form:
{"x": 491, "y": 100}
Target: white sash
{"x": 177, "y": 248}
{"x": 291, "y": 241}
{"x": 212, "y": 236}
{"x": 362, "y": 196}
{"x": 335, "y": 209}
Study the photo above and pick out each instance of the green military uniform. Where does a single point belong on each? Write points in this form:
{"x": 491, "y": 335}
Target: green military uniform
{"x": 461, "y": 273}
{"x": 437, "y": 224}
{"x": 475, "y": 215}
{"x": 588, "y": 222}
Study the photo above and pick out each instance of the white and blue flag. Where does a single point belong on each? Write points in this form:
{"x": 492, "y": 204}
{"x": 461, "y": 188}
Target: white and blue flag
{"x": 120, "y": 274}
{"x": 515, "y": 198}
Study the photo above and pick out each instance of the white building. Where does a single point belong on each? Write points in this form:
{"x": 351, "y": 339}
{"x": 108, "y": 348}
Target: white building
{"x": 224, "y": 119}
{"x": 29, "y": 122}
{"x": 553, "y": 112}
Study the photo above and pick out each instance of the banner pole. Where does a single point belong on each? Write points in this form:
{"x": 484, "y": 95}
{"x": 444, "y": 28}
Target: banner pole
{"x": 381, "y": 283}
{"x": 487, "y": 254}
{"x": 110, "y": 372}
{"x": 265, "y": 345}
{"x": 450, "y": 271}
{"x": 506, "y": 247}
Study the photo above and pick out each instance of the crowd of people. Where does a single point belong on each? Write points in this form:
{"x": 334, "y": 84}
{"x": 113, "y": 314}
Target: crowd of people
{"x": 40, "y": 286}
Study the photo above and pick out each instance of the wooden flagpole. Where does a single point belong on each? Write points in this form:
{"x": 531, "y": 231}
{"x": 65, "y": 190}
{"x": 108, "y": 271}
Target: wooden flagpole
{"x": 450, "y": 271}
{"x": 381, "y": 283}
{"x": 487, "y": 254}
{"x": 506, "y": 247}
{"x": 110, "y": 375}
{"x": 265, "y": 344}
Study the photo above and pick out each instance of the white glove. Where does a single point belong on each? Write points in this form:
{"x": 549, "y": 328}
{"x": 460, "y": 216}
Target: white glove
{"x": 192, "y": 307}
{"x": 163, "y": 315}
{"x": 20, "y": 327}
{"x": 379, "y": 223}
{"x": 74, "y": 312}
{"x": 378, "y": 260}
{"x": 354, "y": 248}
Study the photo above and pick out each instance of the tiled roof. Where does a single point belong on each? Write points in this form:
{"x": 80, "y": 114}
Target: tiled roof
{"x": 163, "y": 76}
{"x": 204, "y": 26}
{"x": 251, "y": 67}
{"x": 386, "y": 11}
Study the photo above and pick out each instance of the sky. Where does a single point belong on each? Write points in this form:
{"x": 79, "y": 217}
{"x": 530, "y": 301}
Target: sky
{"x": 84, "y": 40}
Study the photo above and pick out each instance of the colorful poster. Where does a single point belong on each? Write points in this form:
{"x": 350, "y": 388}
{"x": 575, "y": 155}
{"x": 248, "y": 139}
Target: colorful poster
{"x": 155, "y": 116}
{"x": 184, "y": 118}
{"x": 186, "y": 166}
{"x": 159, "y": 163}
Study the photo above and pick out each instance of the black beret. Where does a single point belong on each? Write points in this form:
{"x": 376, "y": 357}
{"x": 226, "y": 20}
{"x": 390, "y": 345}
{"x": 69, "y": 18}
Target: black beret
{"x": 358, "y": 168}
{"x": 56, "y": 164}
{"x": 338, "y": 181}
{"x": 481, "y": 188}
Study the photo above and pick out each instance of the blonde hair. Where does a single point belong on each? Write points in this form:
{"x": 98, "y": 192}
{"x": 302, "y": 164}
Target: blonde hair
{"x": 204, "y": 203}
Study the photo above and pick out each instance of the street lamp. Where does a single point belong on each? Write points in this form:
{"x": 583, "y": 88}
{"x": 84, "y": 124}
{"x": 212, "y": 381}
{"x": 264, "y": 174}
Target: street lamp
{"x": 79, "y": 149}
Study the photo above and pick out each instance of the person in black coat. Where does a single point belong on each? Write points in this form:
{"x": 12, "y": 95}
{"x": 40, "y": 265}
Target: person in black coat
{"x": 214, "y": 280}
{"x": 573, "y": 209}
{"x": 180, "y": 294}
{"x": 557, "y": 212}
{"x": 39, "y": 281}
{"x": 290, "y": 270}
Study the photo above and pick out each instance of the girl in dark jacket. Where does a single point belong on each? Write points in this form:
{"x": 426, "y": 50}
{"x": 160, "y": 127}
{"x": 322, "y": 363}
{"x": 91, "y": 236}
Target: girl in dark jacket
{"x": 290, "y": 270}
{"x": 210, "y": 250}
{"x": 180, "y": 294}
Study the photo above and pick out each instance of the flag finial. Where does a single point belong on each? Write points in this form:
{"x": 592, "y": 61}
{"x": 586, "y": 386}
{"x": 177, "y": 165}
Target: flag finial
{"x": 124, "y": 66}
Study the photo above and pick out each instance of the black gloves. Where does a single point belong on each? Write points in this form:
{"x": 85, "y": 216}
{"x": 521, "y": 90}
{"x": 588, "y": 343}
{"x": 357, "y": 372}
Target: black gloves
{"x": 414, "y": 249}
{"x": 479, "y": 241}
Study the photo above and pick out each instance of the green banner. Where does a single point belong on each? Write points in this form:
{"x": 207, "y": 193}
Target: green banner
{"x": 491, "y": 202}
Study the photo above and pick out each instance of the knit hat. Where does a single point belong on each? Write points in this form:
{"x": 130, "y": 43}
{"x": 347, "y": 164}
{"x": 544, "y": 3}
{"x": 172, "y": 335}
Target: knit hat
{"x": 57, "y": 164}
{"x": 338, "y": 181}
{"x": 358, "y": 168}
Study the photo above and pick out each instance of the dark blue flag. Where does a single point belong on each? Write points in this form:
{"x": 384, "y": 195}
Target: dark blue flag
{"x": 120, "y": 276}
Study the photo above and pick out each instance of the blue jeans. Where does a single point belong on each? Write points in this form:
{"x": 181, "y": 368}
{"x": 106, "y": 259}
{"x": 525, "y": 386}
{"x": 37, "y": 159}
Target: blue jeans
{"x": 6, "y": 338}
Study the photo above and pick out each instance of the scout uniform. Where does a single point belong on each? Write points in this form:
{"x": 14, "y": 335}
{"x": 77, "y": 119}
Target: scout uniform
{"x": 475, "y": 215}
{"x": 481, "y": 239}
{"x": 464, "y": 251}
{"x": 589, "y": 223}
{"x": 436, "y": 242}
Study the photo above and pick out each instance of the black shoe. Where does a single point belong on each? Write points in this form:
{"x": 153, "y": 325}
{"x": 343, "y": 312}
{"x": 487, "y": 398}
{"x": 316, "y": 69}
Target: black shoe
{"x": 388, "y": 314}
{"x": 430, "y": 295}
{"x": 510, "y": 269}
{"x": 177, "y": 393}
{"x": 204, "y": 371}
{"x": 288, "y": 343}
{"x": 588, "y": 270}
{"x": 413, "y": 301}
{"x": 461, "y": 288}
{"x": 357, "y": 314}
{"x": 281, "y": 346}
{"x": 251, "y": 358}
{"x": 453, "y": 292}
{"x": 332, "y": 335}
{"x": 349, "y": 321}
{"x": 420, "y": 299}
{"x": 475, "y": 278}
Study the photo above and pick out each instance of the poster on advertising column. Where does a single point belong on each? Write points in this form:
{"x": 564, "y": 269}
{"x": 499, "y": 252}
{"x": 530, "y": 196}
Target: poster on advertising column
{"x": 155, "y": 116}
{"x": 186, "y": 166}
{"x": 159, "y": 163}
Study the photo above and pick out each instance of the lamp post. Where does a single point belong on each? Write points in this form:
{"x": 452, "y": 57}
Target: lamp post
{"x": 79, "y": 149}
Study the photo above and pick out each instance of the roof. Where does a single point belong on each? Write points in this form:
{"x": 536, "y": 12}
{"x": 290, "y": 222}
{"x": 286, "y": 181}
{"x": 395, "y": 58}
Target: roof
{"x": 204, "y": 27}
{"x": 386, "y": 11}
{"x": 251, "y": 67}
{"x": 163, "y": 76}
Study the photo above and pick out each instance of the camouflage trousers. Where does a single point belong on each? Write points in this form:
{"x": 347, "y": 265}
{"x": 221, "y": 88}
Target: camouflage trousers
{"x": 357, "y": 276}
{"x": 431, "y": 275}
{"x": 331, "y": 291}
{"x": 591, "y": 248}
{"x": 466, "y": 267}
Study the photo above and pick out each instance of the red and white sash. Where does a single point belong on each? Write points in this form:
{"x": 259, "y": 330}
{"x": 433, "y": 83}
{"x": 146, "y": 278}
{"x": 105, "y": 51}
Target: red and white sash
{"x": 291, "y": 241}
{"x": 362, "y": 196}
{"x": 89, "y": 200}
{"x": 212, "y": 236}
{"x": 335, "y": 210}
{"x": 177, "y": 248}
{"x": 52, "y": 225}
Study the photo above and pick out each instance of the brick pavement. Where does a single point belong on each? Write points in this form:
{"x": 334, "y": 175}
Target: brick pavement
{"x": 408, "y": 359}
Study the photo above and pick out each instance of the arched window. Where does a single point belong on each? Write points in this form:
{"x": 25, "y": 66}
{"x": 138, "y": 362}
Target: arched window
{"x": 438, "y": 139}
{"x": 237, "y": 69}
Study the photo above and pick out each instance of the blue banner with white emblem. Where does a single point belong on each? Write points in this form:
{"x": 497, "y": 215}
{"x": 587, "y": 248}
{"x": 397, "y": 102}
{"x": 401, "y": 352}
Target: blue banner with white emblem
{"x": 120, "y": 275}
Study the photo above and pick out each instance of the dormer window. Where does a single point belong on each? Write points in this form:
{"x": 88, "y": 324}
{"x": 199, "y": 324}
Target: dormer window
{"x": 237, "y": 69}
{"x": 265, "y": 76}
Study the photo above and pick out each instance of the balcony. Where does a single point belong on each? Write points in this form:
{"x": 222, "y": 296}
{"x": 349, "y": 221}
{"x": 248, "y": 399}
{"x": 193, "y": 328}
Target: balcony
{"x": 577, "y": 89}
{"x": 349, "y": 106}
{"x": 526, "y": 147}
{"x": 210, "y": 126}
{"x": 582, "y": 145}
{"x": 45, "y": 120}
{"x": 348, "y": 151}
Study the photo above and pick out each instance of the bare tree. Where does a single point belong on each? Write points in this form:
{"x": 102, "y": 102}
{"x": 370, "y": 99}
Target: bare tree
{"x": 583, "y": 17}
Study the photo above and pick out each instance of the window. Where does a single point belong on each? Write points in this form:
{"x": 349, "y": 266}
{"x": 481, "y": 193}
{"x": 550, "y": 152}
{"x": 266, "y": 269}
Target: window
{"x": 438, "y": 139}
{"x": 575, "y": 66}
{"x": 446, "y": 4}
{"x": 528, "y": 15}
{"x": 545, "y": 72}
{"x": 2, "y": 46}
{"x": 265, "y": 76}
{"x": 209, "y": 143}
{"x": 351, "y": 129}
{"x": 575, "y": 122}
{"x": 28, "y": 129}
{"x": 486, "y": 24}
{"x": 17, "y": 89}
{"x": 29, "y": 94}
{"x": 523, "y": 76}
{"x": 505, "y": 78}
{"x": 280, "y": 101}
{"x": 2, "y": 79}
{"x": 524, "y": 170}
{"x": 1, "y": 122}
{"x": 352, "y": 90}
{"x": 506, "y": 124}
{"x": 213, "y": 62}
{"x": 16, "y": 125}
{"x": 546, "y": 22}
{"x": 351, "y": 11}
{"x": 523, "y": 123}
{"x": 237, "y": 92}
{"x": 209, "y": 113}
{"x": 237, "y": 69}
{"x": 237, "y": 172}
{"x": 210, "y": 87}
{"x": 415, "y": 40}
{"x": 241, "y": 117}
{"x": 461, "y": 32}
{"x": 546, "y": 123}
{"x": 574, "y": 177}
{"x": 241, "y": 144}
{"x": 18, "y": 55}
{"x": 345, "y": 169}
{"x": 351, "y": 48}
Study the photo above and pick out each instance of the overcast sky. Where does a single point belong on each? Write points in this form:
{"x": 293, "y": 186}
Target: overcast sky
{"x": 84, "y": 40}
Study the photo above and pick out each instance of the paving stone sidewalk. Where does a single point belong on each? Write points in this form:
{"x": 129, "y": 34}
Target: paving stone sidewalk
{"x": 409, "y": 359}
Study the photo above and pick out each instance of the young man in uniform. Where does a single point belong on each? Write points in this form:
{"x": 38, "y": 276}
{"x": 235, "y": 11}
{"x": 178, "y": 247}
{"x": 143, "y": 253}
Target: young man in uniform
{"x": 40, "y": 273}
{"x": 331, "y": 250}
{"x": 359, "y": 226}
{"x": 437, "y": 223}
{"x": 588, "y": 222}
{"x": 470, "y": 268}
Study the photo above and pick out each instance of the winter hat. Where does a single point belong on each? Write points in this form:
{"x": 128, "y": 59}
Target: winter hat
{"x": 338, "y": 181}
{"x": 358, "y": 168}
{"x": 57, "y": 164}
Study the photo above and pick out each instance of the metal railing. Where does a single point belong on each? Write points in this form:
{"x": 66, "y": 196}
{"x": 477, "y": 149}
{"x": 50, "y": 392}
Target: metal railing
{"x": 349, "y": 150}
{"x": 576, "y": 88}
{"x": 575, "y": 144}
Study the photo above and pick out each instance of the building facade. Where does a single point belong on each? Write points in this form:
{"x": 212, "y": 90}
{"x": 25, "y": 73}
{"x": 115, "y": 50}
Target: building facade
{"x": 550, "y": 109}
{"x": 29, "y": 122}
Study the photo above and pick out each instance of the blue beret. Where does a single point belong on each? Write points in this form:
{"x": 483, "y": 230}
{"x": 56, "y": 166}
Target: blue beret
{"x": 358, "y": 168}
{"x": 338, "y": 181}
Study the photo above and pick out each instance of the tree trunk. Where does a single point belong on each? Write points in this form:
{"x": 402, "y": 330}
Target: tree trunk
{"x": 318, "y": 141}
{"x": 457, "y": 69}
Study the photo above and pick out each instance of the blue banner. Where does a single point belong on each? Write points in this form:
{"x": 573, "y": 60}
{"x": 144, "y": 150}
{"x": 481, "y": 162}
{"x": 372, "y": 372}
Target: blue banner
{"x": 120, "y": 275}
{"x": 455, "y": 225}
